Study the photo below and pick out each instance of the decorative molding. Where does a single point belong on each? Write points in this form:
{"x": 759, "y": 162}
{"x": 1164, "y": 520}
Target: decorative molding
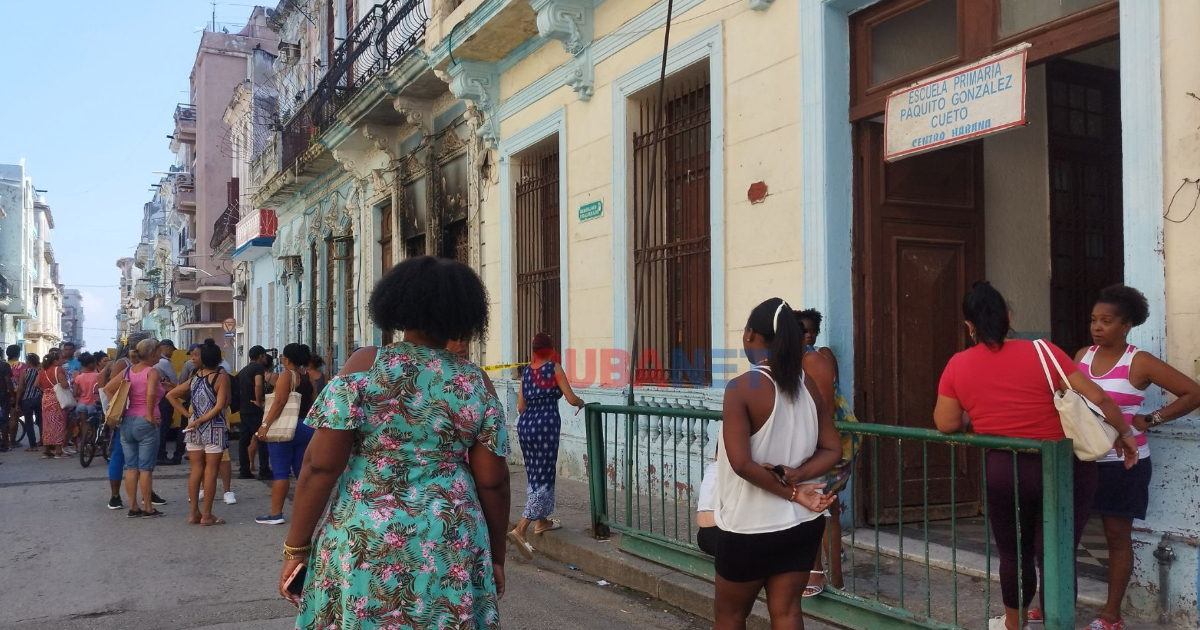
{"x": 452, "y": 146}
{"x": 581, "y": 75}
{"x": 760, "y": 5}
{"x": 350, "y": 159}
{"x": 416, "y": 111}
{"x": 568, "y": 21}
{"x": 385, "y": 138}
{"x": 479, "y": 83}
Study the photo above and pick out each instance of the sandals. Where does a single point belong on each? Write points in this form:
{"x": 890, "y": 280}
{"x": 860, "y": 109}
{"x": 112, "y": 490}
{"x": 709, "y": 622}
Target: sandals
{"x": 522, "y": 546}
{"x": 215, "y": 521}
{"x": 554, "y": 524}
{"x": 812, "y": 590}
{"x": 152, "y": 514}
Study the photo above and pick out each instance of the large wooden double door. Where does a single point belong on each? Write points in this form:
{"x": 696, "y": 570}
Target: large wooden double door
{"x": 919, "y": 244}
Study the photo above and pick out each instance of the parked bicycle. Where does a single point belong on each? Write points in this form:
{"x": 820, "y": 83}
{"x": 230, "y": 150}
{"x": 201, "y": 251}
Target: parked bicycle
{"x": 97, "y": 439}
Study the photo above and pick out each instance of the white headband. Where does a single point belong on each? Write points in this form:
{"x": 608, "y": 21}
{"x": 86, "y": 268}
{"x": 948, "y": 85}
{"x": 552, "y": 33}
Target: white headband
{"x": 775, "y": 321}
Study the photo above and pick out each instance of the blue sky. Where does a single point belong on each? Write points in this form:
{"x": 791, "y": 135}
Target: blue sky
{"x": 87, "y": 94}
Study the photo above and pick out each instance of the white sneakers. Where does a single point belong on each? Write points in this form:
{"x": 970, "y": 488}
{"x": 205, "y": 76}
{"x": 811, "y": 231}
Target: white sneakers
{"x": 997, "y": 623}
{"x": 230, "y": 498}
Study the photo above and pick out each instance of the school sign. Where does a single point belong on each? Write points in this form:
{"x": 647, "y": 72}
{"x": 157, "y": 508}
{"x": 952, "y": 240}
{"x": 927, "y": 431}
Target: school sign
{"x": 958, "y": 106}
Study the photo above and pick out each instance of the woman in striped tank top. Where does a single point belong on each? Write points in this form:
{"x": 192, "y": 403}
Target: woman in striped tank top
{"x": 1124, "y": 372}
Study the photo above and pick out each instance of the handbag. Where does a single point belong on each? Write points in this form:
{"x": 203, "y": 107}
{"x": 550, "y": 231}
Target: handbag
{"x": 284, "y": 427}
{"x": 1082, "y": 422}
{"x": 118, "y": 403}
{"x": 66, "y": 399}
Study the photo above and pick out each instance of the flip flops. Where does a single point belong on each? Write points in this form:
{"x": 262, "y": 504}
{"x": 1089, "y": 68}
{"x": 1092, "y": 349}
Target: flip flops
{"x": 217, "y": 521}
{"x": 522, "y": 546}
{"x": 554, "y": 524}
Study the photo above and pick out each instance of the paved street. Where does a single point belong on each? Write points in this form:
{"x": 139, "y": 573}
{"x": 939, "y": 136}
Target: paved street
{"x": 71, "y": 564}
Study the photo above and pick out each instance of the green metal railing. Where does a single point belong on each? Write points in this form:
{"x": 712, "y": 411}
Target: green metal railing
{"x": 645, "y": 466}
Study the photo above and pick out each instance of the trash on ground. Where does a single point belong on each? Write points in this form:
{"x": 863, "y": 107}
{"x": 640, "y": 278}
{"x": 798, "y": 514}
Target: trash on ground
{"x": 603, "y": 582}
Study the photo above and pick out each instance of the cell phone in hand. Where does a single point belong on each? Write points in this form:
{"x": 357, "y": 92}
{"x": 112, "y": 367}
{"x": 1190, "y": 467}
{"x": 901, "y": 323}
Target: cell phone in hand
{"x": 295, "y": 584}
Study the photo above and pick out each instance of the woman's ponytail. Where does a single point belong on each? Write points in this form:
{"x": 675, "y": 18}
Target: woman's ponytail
{"x": 775, "y": 320}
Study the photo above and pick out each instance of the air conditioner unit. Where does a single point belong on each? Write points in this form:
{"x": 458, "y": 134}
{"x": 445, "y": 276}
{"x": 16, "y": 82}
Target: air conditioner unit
{"x": 189, "y": 245}
{"x": 289, "y": 53}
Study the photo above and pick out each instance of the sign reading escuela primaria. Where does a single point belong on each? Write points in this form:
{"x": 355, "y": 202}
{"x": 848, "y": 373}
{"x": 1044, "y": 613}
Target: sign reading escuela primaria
{"x": 957, "y": 106}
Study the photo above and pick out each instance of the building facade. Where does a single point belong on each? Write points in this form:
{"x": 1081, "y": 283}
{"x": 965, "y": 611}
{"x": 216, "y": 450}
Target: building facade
{"x": 73, "y": 317}
{"x": 17, "y": 244}
{"x": 768, "y": 176}
{"x": 204, "y": 191}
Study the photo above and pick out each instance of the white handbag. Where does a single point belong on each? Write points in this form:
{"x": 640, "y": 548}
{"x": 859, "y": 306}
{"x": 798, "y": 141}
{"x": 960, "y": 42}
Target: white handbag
{"x": 284, "y": 427}
{"x": 1083, "y": 422}
{"x": 66, "y": 399}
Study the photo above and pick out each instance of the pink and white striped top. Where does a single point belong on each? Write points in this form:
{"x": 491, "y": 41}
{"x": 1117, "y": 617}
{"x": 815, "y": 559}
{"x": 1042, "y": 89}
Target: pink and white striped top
{"x": 1128, "y": 398}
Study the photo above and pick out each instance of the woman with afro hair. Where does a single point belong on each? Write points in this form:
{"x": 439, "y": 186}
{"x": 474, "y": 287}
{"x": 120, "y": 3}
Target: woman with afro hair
{"x": 1125, "y": 372}
{"x": 414, "y": 535}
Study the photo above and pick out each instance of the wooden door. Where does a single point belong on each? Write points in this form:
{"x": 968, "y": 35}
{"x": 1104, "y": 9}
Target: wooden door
{"x": 919, "y": 246}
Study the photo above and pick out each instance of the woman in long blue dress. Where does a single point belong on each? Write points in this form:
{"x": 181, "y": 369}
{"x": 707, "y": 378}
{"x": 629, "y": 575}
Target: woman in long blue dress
{"x": 543, "y": 382}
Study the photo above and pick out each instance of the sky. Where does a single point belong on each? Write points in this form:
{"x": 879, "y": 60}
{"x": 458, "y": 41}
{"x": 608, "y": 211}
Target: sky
{"x": 87, "y": 97}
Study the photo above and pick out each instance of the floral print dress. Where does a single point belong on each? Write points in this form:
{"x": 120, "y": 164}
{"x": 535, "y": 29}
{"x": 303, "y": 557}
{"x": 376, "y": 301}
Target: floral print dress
{"x": 404, "y": 544}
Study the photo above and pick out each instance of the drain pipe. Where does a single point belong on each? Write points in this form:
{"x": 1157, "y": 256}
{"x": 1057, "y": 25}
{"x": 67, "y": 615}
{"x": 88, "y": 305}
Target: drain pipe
{"x": 1165, "y": 555}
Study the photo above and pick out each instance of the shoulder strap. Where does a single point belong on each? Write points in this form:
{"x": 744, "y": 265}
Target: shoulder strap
{"x": 1041, "y": 347}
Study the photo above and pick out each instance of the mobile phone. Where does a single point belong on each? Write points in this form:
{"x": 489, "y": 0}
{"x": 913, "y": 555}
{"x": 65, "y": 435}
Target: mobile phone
{"x": 295, "y": 584}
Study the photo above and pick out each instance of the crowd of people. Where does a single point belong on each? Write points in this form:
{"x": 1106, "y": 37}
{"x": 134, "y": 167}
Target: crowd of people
{"x": 402, "y": 486}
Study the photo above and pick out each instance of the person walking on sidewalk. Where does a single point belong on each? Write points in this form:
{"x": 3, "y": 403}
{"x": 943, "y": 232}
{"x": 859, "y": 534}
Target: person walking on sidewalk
{"x": 393, "y": 430}
{"x": 30, "y": 399}
{"x": 1125, "y": 372}
{"x": 251, "y": 383}
{"x": 777, "y": 434}
{"x": 543, "y": 382}
{"x": 1001, "y": 384}
{"x": 168, "y": 377}
{"x": 54, "y": 419}
{"x": 8, "y": 398}
{"x": 287, "y": 457}
{"x": 205, "y": 433}
{"x": 139, "y": 433}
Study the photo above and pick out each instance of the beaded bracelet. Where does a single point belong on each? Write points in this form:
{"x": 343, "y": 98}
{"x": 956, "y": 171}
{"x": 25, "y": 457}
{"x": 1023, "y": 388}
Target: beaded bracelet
{"x": 296, "y": 553}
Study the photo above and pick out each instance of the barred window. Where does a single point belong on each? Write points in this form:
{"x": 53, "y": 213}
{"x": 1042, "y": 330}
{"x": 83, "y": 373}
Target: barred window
{"x": 385, "y": 257}
{"x": 536, "y": 246}
{"x": 671, "y": 233}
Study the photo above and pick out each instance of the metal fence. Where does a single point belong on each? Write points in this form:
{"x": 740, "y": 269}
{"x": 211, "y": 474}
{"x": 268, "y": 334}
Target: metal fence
{"x": 645, "y": 467}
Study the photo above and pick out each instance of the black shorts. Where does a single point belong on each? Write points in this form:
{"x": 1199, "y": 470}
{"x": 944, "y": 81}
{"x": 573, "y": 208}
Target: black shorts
{"x": 753, "y": 557}
{"x": 1123, "y": 493}
{"x": 706, "y": 539}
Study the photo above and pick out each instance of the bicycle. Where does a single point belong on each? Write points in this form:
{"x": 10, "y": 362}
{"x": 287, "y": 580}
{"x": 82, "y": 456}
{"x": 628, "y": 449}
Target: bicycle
{"x": 97, "y": 438}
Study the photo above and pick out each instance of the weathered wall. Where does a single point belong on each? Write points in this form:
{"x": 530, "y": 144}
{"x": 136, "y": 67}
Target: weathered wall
{"x": 1016, "y": 189}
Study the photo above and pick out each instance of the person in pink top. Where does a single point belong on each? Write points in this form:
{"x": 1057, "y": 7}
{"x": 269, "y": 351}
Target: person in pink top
{"x": 1124, "y": 372}
{"x": 87, "y": 389}
{"x": 139, "y": 426}
{"x": 1000, "y": 384}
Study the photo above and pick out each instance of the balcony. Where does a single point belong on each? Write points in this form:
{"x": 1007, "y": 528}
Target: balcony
{"x": 225, "y": 229}
{"x": 185, "y": 288}
{"x": 6, "y": 294}
{"x": 183, "y": 192}
{"x": 185, "y": 126}
{"x": 509, "y": 24}
{"x": 347, "y": 95}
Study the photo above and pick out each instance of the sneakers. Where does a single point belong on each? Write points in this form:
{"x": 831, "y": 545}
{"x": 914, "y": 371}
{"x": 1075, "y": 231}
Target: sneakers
{"x": 271, "y": 519}
{"x": 1035, "y": 616}
{"x": 997, "y": 623}
{"x": 1100, "y": 624}
{"x": 201, "y": 497}
{"x": 230, "y": 498}
{"x": 70, "y": 451}
{"x": 266, "y": 476}
{"x": 115, "y": 503}
{"x": 157, "y": 500}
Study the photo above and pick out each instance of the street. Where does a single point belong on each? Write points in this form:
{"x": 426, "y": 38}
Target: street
{"x": 71, "y": 564}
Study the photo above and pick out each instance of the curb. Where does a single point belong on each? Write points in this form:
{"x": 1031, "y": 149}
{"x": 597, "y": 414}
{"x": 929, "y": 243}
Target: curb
{"x": 603, "y": 559}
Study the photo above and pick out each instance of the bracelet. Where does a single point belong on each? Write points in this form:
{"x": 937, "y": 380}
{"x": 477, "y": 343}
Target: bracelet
{"x": 296, "y": 553}
{"x": 1157, "y": 419}
{"x": 1127, "y": 434}
{"x": 795, "y": 493}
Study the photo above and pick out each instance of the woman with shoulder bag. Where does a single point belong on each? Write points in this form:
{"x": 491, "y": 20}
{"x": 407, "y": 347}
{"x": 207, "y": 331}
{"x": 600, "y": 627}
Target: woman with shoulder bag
{"x": 139, "y": 427}
{"x": 287, "y": 454}
{"x": 54, "y": 418}
{"x": 1002, "y": 384}
{"x": 206, "y": 434}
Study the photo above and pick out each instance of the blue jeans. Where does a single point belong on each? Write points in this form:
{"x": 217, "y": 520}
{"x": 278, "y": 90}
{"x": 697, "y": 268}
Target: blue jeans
{"x": 139, "y": 440}
{"x": 32, "y": 410}
{"x": 116, "y": 463}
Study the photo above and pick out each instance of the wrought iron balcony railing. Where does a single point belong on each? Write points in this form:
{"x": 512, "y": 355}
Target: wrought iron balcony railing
{"x": 388, "y": 32}
{"x": 225, "y": 226}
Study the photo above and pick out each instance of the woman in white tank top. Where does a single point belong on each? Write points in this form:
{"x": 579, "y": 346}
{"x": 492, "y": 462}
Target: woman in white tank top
{"x": 777, "y": 434}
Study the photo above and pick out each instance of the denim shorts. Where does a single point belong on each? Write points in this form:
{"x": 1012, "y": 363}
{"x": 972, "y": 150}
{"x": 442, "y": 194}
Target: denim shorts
{"x": 86, "y": 410}
{"x": 139, "y": 441}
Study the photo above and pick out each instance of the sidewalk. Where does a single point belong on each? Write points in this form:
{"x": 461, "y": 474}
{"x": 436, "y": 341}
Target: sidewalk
{"x": 884, "y": 578}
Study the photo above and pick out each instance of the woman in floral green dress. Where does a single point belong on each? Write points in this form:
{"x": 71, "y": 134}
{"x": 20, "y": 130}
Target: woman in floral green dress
{"x": 414, "y": 535}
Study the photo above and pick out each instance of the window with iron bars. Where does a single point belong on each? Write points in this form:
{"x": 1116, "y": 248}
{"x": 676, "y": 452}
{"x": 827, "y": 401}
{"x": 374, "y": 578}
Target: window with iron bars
{"x": 671, "y": 233}
{"x": 537, "y": 247}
